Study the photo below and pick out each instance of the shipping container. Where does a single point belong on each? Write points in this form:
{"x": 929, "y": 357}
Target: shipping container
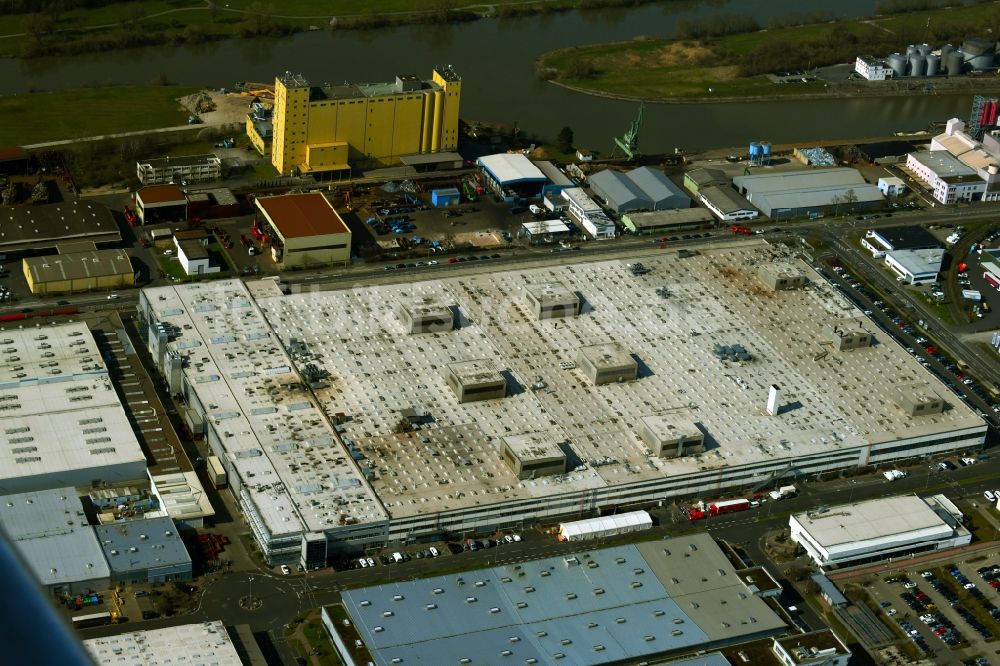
{"x": 728, "y": 506}
{"x": 216, "y": 472}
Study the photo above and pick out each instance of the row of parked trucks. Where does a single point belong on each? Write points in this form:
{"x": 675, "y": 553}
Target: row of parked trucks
{"x": 702, "y": 510}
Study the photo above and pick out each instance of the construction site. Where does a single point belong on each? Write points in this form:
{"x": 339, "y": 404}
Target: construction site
{"x": 341, "y": 422}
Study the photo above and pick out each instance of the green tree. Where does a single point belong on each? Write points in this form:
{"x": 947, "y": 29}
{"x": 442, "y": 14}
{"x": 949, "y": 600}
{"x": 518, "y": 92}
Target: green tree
{"x": 565, "y": 140}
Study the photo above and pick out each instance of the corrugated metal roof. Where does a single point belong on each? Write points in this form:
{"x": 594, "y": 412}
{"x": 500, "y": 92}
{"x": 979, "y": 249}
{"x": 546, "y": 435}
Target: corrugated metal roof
{"x": 783, "y": 181}
{"x": 658, "y": 188}
{"x": 592, "y": 607}
{"x": 618, "y": 191}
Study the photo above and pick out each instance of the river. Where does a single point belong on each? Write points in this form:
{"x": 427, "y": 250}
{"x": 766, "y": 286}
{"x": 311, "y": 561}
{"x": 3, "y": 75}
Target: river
{"x": 495, "y": 59}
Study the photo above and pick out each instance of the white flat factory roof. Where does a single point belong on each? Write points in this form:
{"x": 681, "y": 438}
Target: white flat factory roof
{"x": 59, "y": 411}
{"x": 377, "y": 372}
{"x": 943, "y": 164}
{"x": 205, "y": 643}
{"x": 280, "y": 444}
{"x": 182, "y": 496}
{"x": 885, "y": 519}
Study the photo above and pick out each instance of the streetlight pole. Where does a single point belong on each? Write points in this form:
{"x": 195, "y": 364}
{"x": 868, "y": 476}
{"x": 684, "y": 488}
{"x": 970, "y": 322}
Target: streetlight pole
{"x": 251, "y": 589}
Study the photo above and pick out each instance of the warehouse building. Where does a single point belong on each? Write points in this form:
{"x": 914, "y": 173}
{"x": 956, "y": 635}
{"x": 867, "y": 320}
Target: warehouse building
{"x": 639, "y": 189}
{"x": 184, "y": 169}
{"x": 78, "y": 267}
{"x": 213, "y": 203}
{"x": 879, "y": 529}
{"x": 885, "y": 152}
{"x": 182, "y": 498}
{"x": 161, "y": 203}
{"x": 788, "y": 194}
{"x": 544, "y": 231}
{"x": 144, "y": 551}
{"x": 51, "y": 534}
{"x": 700, "y": 177}
{"x": 61, "y": 421}
{"x": 533, "y": 455}
{"x": 305, "y": 230}
{"x": 512, "y": 175}
{"x": 667, "y": 221}
{"x": 228, "y": 348}
{"x": 329, "y": 128}
{"x": 552, "y": 300}
{"x": 726, "y": 204}
{"x": 195, "y": 258}
{"x": 614, "y": 605}
{"x": 206, "y": 643}
{"x": 915, "y": 266}
{"x": 44, "y": 226}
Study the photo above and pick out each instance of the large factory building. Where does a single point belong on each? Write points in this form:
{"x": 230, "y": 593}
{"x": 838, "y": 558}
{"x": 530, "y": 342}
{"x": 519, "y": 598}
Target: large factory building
{"x": 301, "y": 395}
{"x": 334, "y": 127}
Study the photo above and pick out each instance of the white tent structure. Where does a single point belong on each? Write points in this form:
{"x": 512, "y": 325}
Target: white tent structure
{"x": 595, "y": 528}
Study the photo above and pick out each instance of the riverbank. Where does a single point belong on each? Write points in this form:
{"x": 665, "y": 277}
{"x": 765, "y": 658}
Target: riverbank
{"x": 738, "y": 67}
{"x": 970, "y": 86}
{"x": 69, "y": 114}
{"x": 170, "y": 22}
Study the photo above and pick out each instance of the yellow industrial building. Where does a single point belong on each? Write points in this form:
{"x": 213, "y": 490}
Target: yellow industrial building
{"x": 328, "y": 128}
{"x": 78, "y": 267}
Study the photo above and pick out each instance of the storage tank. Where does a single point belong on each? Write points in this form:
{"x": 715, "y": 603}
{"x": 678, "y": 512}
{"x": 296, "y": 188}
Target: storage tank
{"x": 898, "y": 63}
{"x": 924, "y": 49}
{"x": 956, "y": 59}
{"x": 765, "y": 151}
{"x": 933, "y": 64}
{"x": 945, "y": 52}
{"x": 910, "y": 50}
{"x": 979, "y": 53}
{"x": 754, "y": 150}
{"x": 917, "y": 63}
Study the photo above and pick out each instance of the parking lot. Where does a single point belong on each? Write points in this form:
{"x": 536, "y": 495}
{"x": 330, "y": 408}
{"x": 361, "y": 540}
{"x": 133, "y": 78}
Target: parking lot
{"x": 426, "y": 551}
{"x": 948, "y": 610}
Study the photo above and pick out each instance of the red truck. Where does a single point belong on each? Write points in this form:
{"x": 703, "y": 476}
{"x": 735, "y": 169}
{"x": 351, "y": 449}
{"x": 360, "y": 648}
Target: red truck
{"x": 737, "y": 229}
{"x": 728, "y": 506}
{"x": 130, "y": 216}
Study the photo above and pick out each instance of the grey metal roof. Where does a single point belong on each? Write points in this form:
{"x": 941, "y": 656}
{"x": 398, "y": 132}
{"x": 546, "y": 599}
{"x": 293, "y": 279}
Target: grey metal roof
{"x": 831, "y": 591}
{"x": 784, "y": 181}
{"x": 659, "y": 189}
{"x": 815, "y": 197}
{"x": 552, "y": 172}
{"x": 53, "y": 536}
{"x": 155, "y": 542}
{"x": 725, "y": 198}
{"x": 593, "y": 607}
{"x": 618, "y": 191}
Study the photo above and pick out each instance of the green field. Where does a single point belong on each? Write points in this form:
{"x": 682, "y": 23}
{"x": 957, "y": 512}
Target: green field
{"x": 734, "y": 65}
{"x": 39, "y": 117}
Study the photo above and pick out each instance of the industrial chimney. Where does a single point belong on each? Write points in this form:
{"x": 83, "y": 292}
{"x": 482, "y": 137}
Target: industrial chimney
{"x": 772, "y": 400}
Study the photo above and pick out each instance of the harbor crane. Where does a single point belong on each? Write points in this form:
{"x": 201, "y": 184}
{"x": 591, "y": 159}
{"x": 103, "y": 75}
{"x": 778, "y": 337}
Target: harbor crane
{"x": 629, "y": 142}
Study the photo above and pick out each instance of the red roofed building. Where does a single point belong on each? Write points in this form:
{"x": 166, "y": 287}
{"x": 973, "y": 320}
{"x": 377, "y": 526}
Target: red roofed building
{"x": 303, "y": 230}
{"x": 161, "y": 203}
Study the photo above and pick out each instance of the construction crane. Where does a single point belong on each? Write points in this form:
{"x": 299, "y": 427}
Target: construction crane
{"x": 629, "y": 142}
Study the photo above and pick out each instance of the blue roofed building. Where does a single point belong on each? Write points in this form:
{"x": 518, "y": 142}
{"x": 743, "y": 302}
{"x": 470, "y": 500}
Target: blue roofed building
{"x": 55, "y": 540}
{"x": 144, "y": 551}
{"x": 670, "y": 597}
